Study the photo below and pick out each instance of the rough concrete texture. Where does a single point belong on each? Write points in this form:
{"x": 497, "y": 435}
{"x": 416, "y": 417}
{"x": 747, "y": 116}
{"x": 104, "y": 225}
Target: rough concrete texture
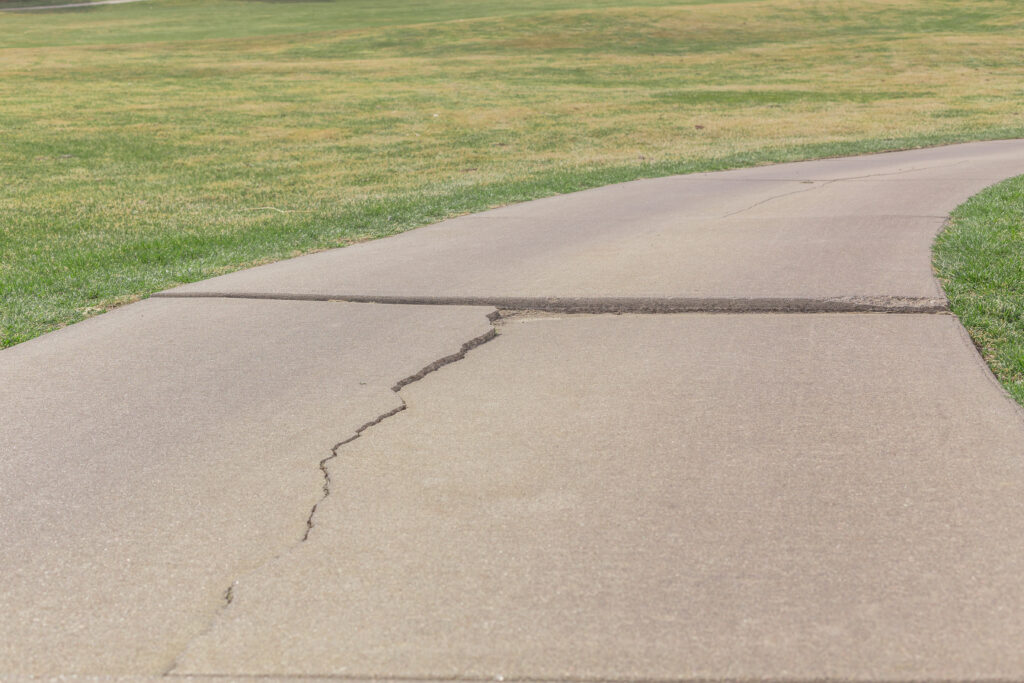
{"x": 839, "y": 228}
{"x": 151, "y": 455}
{"x": 730, "y": 496}
{"x": 689, "y": 496}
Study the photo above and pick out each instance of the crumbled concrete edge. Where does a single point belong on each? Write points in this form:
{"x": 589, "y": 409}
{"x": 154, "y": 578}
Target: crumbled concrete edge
{"x": 228, "y": 596}
{"x": 650, "y": 305}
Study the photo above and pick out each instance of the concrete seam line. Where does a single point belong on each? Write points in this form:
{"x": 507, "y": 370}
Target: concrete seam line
{"x": 648, "y": 305}
{"x": 229, "y": 593}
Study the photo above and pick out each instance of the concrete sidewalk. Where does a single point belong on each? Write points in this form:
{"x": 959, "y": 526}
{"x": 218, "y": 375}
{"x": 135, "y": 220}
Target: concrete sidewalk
{"x": 789, "y": 237}
{"x": 263, "y": 475}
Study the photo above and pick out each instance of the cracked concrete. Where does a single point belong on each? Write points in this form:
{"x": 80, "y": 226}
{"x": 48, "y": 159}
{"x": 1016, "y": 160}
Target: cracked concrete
{"x": 152, "y": 455}
{"x": 862, "y": 229}
{"x": 665, "y": 497}
{"x": 711, "y": 490}
{"x": 433, "y": 366}
{"x": 426, "y": 370}
{"x": 653, "y": 305}
{"x": 814, "y": 185}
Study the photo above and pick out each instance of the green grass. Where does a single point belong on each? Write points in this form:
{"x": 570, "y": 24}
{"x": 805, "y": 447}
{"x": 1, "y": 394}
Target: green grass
{"x": 980, "y": 260}
{"x": 161, "y": 142}
{"x": 15, "y": 4}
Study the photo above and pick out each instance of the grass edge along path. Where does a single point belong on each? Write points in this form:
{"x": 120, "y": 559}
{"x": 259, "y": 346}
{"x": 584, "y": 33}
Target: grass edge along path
{"x": 377, "y": 218}
{"x": 979, "y": 259}
{"x": 130, "y": 164}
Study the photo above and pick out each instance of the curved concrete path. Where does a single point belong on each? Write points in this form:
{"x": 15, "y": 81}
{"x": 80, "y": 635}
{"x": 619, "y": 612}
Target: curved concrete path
{"x": 839, "y": 234}
{"x": 210, "y": 484}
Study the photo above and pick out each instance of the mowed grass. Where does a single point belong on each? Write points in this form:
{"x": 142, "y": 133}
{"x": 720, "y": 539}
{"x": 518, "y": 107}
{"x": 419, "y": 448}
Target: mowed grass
{"x": 17, "y": 4}
{"x": 980, "y": 260}
{"x": 149, "y": 144}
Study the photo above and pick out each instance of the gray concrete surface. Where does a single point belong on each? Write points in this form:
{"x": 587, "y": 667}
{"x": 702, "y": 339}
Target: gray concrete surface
{"x": 153, "y": 454}
{"x": 740, "y": 495}
{"x": 662, "y": 497}
{"x": 794, "y": 233}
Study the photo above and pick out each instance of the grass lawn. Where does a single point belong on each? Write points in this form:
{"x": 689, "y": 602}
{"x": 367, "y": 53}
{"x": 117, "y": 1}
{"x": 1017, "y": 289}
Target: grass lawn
{"x": 980, "y": 260}
{"x": 148, "y": 144}
{"x": 14, "y": 4}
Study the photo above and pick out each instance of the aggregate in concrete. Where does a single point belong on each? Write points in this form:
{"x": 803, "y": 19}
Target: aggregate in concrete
{"x": 837, "y": 229}
{"x": 151, "y": 455}
{"x": 665, "y": 497}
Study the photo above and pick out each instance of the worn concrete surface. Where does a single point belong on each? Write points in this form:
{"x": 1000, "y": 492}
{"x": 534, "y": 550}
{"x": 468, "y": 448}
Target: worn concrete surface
{"x": 687, "y": 496}
{"x": 153, "y": 454}
{"x": 856, "y": 227}
{"x": 740, "y": 496}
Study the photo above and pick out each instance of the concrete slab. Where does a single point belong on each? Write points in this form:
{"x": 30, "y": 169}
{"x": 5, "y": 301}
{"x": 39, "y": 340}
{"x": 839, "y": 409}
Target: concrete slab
{"x": 151, "y": 455}
{"x": 727, "y": 497}
{"x": 770, "y": 233}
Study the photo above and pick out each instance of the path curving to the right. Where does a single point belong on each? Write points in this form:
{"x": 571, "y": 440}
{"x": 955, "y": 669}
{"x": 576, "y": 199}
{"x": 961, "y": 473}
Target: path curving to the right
{"x": 815, "y": 235}
{"x": 724, "y": 429}
{"x": 745, "y": 495}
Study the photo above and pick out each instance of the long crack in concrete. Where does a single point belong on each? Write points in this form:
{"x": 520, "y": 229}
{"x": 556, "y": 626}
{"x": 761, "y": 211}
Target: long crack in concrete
{"x": 437, "y": 364}
{"x": 229, "y": 593}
